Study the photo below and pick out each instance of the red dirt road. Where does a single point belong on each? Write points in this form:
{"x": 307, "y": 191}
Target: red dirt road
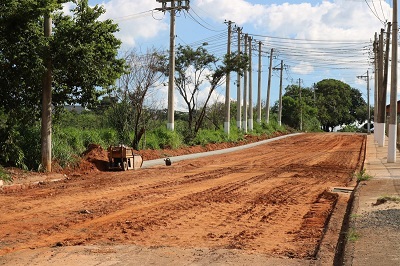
{"x": 271, "y": 199}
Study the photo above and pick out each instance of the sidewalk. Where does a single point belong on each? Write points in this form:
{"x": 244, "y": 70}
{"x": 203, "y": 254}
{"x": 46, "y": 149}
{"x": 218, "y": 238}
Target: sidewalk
{"x": 375, "y": 224}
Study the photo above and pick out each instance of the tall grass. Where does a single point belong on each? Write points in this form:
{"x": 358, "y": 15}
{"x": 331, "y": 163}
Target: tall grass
{"x": 162, "y": 138}
{"x": 69, "y": 143}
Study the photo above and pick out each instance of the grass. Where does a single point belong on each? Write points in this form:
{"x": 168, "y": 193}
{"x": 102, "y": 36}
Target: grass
{"x": 363, "y": 176}
{"x": 352, "y": 235}
{"x": 388, "y": 198}
{"x": 4, "y": 175}
{"x": 354, "y": 216}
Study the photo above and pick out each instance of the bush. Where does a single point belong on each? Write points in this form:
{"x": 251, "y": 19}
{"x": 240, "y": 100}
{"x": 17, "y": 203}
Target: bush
{"x": 4, "y": 175}
{"x": 19, "y": 144}
{"x": 162, "y": 138}
{"x": 205, "y": 136}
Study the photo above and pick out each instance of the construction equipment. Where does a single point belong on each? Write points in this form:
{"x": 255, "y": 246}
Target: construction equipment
{"x": 123, "y": 158}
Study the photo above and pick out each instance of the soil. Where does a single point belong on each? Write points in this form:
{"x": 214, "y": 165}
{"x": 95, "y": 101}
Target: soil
{"x": 272, "y": 200}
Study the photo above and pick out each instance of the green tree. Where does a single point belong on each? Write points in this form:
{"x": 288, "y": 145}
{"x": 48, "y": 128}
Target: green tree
{"x": 199, "y": 71}
{"x": 291, "y": 108}
{"x": 339, "y": 104}
{"x": 83, "y": 52}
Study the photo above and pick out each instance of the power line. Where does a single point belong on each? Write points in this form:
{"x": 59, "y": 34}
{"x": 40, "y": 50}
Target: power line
{"x": 375, "y": 14}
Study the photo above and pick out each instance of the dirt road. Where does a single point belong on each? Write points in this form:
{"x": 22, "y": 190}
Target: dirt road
{"x": 272, "y": 199}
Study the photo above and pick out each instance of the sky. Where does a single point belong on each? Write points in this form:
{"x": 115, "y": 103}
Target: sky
{"x": 315, "y": 39}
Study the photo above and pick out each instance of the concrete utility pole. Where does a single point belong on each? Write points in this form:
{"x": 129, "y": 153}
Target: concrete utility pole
{"x": 280, "y": 93}
{"x": 244, "y": 124}
{"x": 301, "y": 109}
{"x": 259, "y": 85}
{"x": 182, "y": 4}
{"x": 269, "y": 86}
{"x": 375, "y": 81}
{"x": 250, "y": 126}
{"x": 380, "y": 119}
{"x": 383, "y": 91}
{"x": 46, "y": 103}
{"x": 227, "y": 90}
{"x": 368, "y": 107}
{"x": 239, "y": 96}
{"x": 391, "y": 158}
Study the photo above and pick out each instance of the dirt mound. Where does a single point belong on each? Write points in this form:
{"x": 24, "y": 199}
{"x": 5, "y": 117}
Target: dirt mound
{"x": 92, "y": 160}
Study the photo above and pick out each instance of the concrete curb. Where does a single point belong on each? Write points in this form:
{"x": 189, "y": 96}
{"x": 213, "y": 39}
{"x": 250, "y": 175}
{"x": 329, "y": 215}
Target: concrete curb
{"x": 151, "y": 163}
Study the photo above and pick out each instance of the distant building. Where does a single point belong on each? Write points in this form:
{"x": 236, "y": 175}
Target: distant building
{"x": 388, "y": 109}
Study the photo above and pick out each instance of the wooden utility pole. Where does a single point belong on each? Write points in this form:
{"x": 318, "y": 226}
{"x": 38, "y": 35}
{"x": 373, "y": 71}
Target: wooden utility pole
{"x": 259, "y": 85}
{"x": 244, "y": 124}
{"x": 301, "y": 109}
{"x": 239, "y": 96}
{"x": 269, "y": 86}
{"x": 391, "y": 158}
{"x": 250, "y": 121}
{"x": 46, "y": 103}
{"x": 182, "y": 4}
{"x": 227, "y": 90}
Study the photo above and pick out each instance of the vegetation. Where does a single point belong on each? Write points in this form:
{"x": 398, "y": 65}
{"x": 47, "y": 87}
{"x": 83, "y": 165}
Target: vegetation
{"x": 338, "y": 104}
{"x": 363, "y": 176}
{"x": 193, "y": 68}
{"x": 4, "y": 175}
{"x": 352, "y": 235}
{"x": 388, "y": 198}
{"x": 83, "y": 53}
{"x": 291, "y": 107}
{"x": 85, "y": 69}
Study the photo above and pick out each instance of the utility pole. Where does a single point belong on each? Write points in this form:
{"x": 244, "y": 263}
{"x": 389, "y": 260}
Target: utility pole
{"x": 368, "y": 107}
{"x": 391, "y": 157}
{"x": 182, "y": 4}
{"x": 380, "y": 119}
{"x": 250, "y": 121}
{"x": 259, "y": 85}
{"x": 269, "y": 86}
{"x": 227, "y": 90}
{"x": 239, "y": 96}
{"x": 375, "y": 81}
{"x": 280, "y": 93}
{"x": 245, "y": 89}
{"x": 301, "y": 109}
{"x": 46, "y": 103}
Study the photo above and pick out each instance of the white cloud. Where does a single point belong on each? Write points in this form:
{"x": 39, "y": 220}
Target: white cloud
{"x": 134, "y": 21}
{"x": 239, "y": 11}
{"x": 337, "y": 20}
{"x": 303, "y": 68}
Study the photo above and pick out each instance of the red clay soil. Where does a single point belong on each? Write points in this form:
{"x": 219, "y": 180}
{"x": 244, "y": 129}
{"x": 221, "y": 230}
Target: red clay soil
{"x": 270, "y": 199}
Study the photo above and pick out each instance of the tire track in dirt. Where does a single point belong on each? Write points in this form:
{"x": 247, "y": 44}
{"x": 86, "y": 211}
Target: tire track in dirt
{"x": 266, "y": 199}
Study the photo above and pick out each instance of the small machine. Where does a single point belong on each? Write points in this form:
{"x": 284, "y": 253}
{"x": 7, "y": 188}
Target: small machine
{"x": 123, "y": 158}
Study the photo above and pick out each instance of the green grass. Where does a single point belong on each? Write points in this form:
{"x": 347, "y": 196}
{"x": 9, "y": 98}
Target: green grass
{"x": 352, "y": 235}
{"x": 354, "y": 216}
{"x": 363, "y": 176}
{"x": 4, "y": 175}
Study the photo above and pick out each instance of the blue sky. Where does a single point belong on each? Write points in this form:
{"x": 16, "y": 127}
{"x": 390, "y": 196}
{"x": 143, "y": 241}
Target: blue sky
{"x": 316, "y": 39}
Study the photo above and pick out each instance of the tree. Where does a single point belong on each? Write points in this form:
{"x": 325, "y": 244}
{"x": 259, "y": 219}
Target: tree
{"x": 83, "y": 51}
{"x": 338, "y": 104}
{"x": 193, "y": 68}
{"x": 138, "y": 85}
{"x": 291, "y": 108}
